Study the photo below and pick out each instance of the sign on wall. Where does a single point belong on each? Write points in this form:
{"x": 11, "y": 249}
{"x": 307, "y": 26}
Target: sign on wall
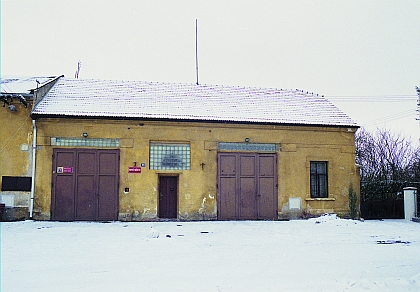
{"x": 64, "y": 169}
{"x": 134, "y": 169}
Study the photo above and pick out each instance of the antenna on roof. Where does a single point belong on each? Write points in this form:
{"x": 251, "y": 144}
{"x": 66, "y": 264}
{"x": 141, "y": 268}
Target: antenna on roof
{"x": 196, "y": 51}
{"x": 418, "y": 102}
{"x": 79, "y": 66}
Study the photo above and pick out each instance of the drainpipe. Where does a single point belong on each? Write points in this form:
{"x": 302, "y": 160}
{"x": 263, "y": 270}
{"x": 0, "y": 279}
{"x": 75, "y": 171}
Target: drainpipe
{"x": 31, "y": 202}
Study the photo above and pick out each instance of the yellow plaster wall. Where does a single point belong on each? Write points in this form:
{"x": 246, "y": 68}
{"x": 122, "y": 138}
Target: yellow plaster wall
{"x": 197, "y": 187}
{"x": 16, "y": 149}
{"x": 16, "y": 130}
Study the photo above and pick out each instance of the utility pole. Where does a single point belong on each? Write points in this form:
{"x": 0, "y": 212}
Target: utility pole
{"x": 196, "y": 50}
{"x": 418, "y": 103}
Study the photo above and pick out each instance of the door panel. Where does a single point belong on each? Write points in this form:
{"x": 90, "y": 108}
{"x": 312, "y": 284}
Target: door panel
{"x": 62, "y": 202}
{"x": 108, "y": 162}
{"x": 107, "y": 185}
{"x": 267, "y": 184}
{"x": 107, "y": 203}
{"x": 267, "y": 165}
{"x": 247, "y": 196}
{"x": 86, "y": 162}
{"x": 85, "y": 198}
{"x": 63, "y": 205}
{"x": 168, "y": 197}
{"x": 267, "y": 203}
{"x": 85, "y": 185}
{"x": 228, "y": 165}
{"x": 247, "y": 165}
{"x": 227, "y": 198}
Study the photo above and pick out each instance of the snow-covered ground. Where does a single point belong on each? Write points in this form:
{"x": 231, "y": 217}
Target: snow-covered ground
{"x": 320, "y": 254}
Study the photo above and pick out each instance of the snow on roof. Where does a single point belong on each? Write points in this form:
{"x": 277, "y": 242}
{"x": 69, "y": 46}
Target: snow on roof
{"x": 136, "y": 99}
{"x": 19, "y": 84}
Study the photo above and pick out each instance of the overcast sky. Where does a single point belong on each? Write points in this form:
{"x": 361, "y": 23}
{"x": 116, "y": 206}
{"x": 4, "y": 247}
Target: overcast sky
{"x": 363, "y": 55}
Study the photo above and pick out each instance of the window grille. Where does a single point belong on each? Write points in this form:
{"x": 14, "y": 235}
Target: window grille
{"x": 165, "y": 156}
{"x": 85, "y": 142}
{"x": 319, "y": 180}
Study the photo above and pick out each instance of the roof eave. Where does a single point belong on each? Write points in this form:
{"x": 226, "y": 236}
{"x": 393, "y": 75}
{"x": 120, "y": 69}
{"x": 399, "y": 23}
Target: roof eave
{"x": 36, "y": 116}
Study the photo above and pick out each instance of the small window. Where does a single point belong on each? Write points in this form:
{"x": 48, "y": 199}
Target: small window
{"x": 16, "y": 183}
{"x": 85, "y": 142}
{"x": 319, "y": 180}
{"x": 165, "y": 156}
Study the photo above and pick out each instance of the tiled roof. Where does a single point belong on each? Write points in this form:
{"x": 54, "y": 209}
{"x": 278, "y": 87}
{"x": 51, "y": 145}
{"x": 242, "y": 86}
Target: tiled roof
{"x": 135, "y": 99}
{"x": 19, "y": 84}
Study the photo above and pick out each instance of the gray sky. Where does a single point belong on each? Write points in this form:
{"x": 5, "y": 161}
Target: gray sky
{"x": 363, "y": 55}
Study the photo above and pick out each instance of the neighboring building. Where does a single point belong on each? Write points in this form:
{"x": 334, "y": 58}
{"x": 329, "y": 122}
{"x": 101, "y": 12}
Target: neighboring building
{"x": 17, "y": 97}
{"x": 126, "y": 150}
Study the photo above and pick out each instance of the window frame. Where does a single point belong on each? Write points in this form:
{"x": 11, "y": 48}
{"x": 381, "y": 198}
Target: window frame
{"x": 318, "y": 180}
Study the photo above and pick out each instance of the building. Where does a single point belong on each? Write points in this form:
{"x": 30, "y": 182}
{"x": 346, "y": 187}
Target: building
{"x": 17, "y": 98}
{"x": 136, "y": 151}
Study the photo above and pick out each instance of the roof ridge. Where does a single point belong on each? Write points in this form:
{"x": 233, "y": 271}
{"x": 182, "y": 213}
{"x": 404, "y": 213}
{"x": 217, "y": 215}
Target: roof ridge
{"x": 192, "y": 84}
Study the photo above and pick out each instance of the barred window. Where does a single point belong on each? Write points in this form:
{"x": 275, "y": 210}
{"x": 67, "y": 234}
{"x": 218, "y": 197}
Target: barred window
{"x": 165, "y": 156}
{"x": 319, "y": 180}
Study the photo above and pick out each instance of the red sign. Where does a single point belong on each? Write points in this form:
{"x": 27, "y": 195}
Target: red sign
{"x": 134, "y": 169}
{"x": 64, "y": 169}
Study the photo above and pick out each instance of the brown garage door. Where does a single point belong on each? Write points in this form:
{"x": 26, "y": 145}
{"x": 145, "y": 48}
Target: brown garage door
{"x": 247, "y": 186}
{"x": 85, "y": 185}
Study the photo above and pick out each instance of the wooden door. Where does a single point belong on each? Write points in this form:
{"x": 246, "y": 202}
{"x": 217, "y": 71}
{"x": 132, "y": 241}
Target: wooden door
{"x": 85, "y": 185}
{"x": 168, "y": 197}
{"x": 247, "y": 186}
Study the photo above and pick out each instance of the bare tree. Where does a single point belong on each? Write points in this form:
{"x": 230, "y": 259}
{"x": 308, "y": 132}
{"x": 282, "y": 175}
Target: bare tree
{"x": 386, "y": 159}
{"x": 385, "y": 156}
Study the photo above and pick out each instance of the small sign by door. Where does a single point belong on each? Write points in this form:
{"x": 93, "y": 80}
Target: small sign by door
{"x": 134, "y": 169}
{"x": 64, "y": 169}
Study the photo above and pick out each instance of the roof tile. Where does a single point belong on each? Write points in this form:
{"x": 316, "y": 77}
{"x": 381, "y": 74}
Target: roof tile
{"x": 136, "y": 99}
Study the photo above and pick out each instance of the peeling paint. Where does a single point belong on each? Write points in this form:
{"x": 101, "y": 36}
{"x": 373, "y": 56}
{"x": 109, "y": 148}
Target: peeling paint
{"x": 145, "y": 211}
{"x": 202, "y": 209}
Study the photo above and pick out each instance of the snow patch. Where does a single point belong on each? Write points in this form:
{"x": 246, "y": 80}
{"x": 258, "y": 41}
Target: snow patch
{"x": 332, "y": 255}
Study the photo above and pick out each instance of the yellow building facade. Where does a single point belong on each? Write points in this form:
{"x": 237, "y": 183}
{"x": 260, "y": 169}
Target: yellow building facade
{"x": 102, "y": 167}
{"x": 15, "y": 158}
{"x": 16, "y": 151}
{"x": 197, "y": 187}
